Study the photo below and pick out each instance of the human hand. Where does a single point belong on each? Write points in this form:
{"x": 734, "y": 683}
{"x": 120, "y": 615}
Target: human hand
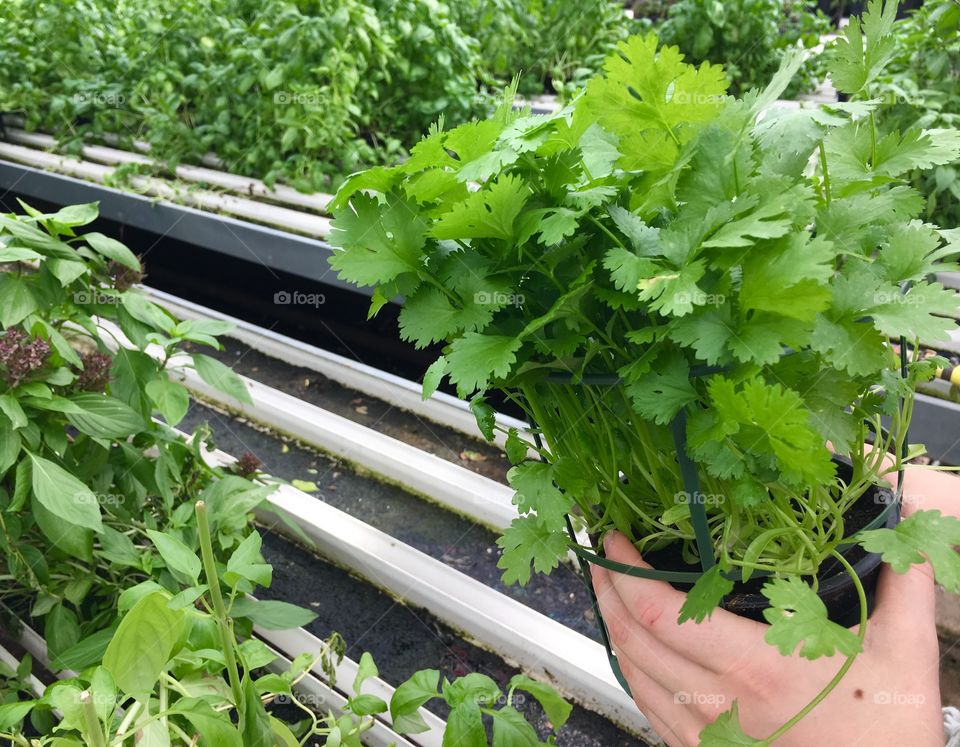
{"x": 683, "y": 676}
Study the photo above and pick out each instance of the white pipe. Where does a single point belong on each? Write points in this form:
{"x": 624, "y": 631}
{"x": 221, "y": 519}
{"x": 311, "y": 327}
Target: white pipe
{"x": 440, "y": 408}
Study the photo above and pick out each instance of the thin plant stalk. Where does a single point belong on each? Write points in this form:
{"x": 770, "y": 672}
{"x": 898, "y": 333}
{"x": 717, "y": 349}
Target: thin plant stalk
{"x": 219, "y": 608}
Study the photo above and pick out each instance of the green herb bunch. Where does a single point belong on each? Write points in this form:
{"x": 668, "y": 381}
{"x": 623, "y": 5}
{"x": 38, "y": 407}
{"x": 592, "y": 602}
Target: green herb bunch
{"x": 653, "y": 227}
{"x": 922, "y": 84}
{"x": 661, "y": 255}
{"x": 748, "y": 38}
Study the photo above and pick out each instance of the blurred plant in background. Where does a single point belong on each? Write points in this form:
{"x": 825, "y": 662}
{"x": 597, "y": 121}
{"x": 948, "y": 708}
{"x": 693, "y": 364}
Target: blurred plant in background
{"x": 922, "y": 84}
{"x": 748, "y": 37}
{"x": 556, "y": 45}
{"x": 303, "y": 91}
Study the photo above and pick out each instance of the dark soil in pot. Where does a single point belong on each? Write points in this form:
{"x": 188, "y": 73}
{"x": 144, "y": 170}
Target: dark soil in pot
{"x": 835, "y": 587}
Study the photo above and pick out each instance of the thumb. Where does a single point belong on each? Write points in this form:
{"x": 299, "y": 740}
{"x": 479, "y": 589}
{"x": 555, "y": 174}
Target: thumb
{"x": 905, "y": 600}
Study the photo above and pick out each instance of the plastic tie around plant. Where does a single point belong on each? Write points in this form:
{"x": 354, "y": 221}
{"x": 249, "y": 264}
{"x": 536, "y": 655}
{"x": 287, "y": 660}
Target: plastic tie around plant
{"x": 698, "y": 512}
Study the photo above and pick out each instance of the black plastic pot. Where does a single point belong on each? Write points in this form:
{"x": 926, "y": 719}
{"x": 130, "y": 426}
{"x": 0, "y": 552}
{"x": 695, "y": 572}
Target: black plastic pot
{"x": 835, "y": 586}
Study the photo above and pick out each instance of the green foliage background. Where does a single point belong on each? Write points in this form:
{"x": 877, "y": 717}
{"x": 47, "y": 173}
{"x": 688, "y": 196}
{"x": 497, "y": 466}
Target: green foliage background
{"x": 923, "y": 84}
{"x": 299, "y": 90}
{"x": 748, "y": 37}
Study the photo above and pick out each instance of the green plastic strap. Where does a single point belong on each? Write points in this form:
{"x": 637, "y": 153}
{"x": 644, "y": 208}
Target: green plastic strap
{"x": 691, "y": 483}
{"x": 591, "y": 556}
{"x": 587, "y": 579}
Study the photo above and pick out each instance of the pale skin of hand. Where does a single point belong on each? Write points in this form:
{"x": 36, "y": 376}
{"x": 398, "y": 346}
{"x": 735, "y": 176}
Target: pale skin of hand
{"x": 890, "y": 697}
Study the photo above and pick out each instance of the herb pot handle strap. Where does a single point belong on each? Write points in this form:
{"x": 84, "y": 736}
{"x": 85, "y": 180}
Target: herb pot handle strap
{"x": 587, "y": 555}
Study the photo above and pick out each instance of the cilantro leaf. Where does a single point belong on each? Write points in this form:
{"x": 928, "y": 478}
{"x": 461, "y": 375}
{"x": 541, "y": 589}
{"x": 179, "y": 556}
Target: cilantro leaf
{"x": 706, "y": 333}
{"x": 865, "y": 48}
{"x": 433, "y": 376}
{"x": 769, "y": 418}
{"x": 725, "y": 731}
{"x": 428, "y": 317}
{"x": 475, "y": 358}
{"x": 379, "y": 243}
{"x": 660, "y": 394}
{"x": 485, "y": 415}
{"x": 926, "y": 535}
{"x": 651, "y": 100}
{"x": 675, "y": 293}
{"x": 911, "y": 252}
{"x": 759, "y": 338}
{"x": 557, "y": 226}
{"x": 766, "y": 222}
{"x": 627, "y": 269}
{"x": 644, "y": 239}
{"x": 487, "y": 213}
{"x": 536, "y": 492}
{"x": 798, "y": 617}
{"x": 854, "y": 158}
{"x": 527, "y": 542}
{"x": 705, "y": 596}
{"x": 856, "y": 347}
{"x": 515, "y": 447}
{"x": 920, "y": 312}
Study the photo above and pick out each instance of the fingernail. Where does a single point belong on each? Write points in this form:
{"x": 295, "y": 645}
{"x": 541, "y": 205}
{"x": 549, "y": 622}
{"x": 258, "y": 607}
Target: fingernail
{"x": 607, "y": 543}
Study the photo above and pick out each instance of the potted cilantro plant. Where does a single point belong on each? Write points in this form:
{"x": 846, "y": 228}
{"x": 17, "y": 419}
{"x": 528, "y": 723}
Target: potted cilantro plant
{"x": 692, "y": 297}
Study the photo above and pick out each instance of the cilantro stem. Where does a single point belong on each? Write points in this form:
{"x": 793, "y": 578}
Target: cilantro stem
{"x": 861, "y": 635}
{"x": 826, "y": 174}
{"x": 608, "y": 232}
{"x": 219, "y": 610}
